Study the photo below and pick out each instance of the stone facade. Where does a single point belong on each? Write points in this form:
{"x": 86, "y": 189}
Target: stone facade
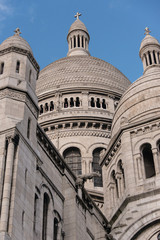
{"x": 57, "y": 137}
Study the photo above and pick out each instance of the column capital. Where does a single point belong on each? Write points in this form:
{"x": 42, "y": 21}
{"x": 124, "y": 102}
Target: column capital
{"x": 14, "y": 138}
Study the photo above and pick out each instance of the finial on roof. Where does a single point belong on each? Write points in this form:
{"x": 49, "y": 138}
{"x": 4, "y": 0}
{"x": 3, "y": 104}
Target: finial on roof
{"x": 147, "y": 31}
{"x": 77, "y": 15}
{"x": 17, "y": 32}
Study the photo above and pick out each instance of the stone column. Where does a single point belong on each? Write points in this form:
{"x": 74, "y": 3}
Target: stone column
{"x": 84, "y": 43}
{"x": 12, "y": 141}
{"x": 156, "y": 160}
{"x": 152, "y": 57}
{"x": 144, "y": 62}
{"x": 139, "y": 167}
{"x": 72, "y": 42}
{"x": 119, "y": 180}
{"x": 76, "y": 41}
{"x": 148, "y": 59}
{"x": 80, "y": 40}
{"x": 156, "y": 55}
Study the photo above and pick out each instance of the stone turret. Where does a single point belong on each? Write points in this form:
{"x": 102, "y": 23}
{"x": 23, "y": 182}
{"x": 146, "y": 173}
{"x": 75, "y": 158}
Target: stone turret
{"x": 150, "y": 52}
{"x": 78, "y": 38}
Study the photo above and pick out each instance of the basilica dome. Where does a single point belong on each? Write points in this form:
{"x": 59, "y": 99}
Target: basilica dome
{"x": 142, "y": 100}
{"x": 16, "y": 41}
{"x": 81, "y": 72}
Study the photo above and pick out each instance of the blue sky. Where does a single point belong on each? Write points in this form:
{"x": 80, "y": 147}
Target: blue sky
{"x": 116, "y": 28}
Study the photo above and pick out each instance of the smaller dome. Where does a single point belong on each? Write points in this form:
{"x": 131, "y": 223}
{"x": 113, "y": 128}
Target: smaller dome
{"x": 15, "y": 41}
{"x": 78, "y": 25}
{"x": 148, "y": 40}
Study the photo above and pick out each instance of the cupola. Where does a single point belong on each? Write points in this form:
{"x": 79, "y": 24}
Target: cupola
{"x": 150, "y": 52}
{"x": 78, "y": 38}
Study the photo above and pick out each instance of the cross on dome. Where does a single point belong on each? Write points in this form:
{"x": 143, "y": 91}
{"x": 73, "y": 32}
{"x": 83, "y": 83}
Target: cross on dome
{"x": 17, "y": 32}
{"x": 147, "y": 31}
{"x": 77, "y": 15}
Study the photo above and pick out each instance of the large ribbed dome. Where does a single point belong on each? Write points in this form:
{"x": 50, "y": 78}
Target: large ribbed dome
{"x": 15, "y": 41}
{"x": 140, "y": 102}
{"x": 81, "y": 72}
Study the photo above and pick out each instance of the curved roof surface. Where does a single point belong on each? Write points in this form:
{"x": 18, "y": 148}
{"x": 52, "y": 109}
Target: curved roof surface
{"x": 140, "y": 102}
{"x": 81, "y": 72}
{"x": 15, "y": 41}
{"x": 148, "y": 40}
{"x": 78, "y": 25}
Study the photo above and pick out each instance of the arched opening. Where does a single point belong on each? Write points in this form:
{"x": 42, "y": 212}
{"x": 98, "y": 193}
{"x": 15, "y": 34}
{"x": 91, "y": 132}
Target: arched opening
{"x": 74, "y": 40}
{"x": 28, "y": 128}
{"x": 72, "y": 157}
{"x": 41, "y": 109}
{"x": 113, "y": 177}
{"x": 82, "y": 41}
{"x": 92, "y": 102}
{"x": 71, "y": 102}
{"x": 96, "y": 167}
{"x": 51, "y": 106}
{"x": 2, "y": 68}
{"x": 35, "y": 220}
{"x": 122, "y": 176}
{"x": 150, "y": 59}
{"x": 71, "y": 42}
{"x": 46, "y": 107}
{"x": 98, "y": 103}
{"x": 55, "y": 229}
{"x": 65, "y": 103}
{"x": 103, "y": 104}
{"x": 17, "y": 66}
{"x": 77, "y": 102}
{"x": 45, "y": 216}
{"x": 148, "y": 160}
{"x": 78, "y": 41}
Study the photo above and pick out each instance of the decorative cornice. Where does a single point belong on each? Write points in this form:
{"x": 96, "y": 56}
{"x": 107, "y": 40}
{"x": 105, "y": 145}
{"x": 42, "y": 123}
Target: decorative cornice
{"x": 24, "y": 52}
{"x": 145, "y": 129}
{"x": 72, "y": 133}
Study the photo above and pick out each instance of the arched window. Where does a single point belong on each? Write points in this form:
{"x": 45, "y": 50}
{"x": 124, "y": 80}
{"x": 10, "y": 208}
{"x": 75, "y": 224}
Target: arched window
{"x": 78, "y": 41}
{"x": 2, "y": 68}
{"x": 98, "y": 103}
{"x": 74, "y": 39}
{"x": 23, "y": 216}
{"x": 92, "y": 102}
{"x": 121, "y": 171}
{"x": 28, "y": 127}
{"x": 96, "y": 167}
{"x": 30, "y": 75}
{"x": 45, "y": 216}
{"x": 55, "y": 235}
{"x": 82, "y": 41}
{"x": 113, "y": 178}
{"x": 65, "y": 103}
{"x": 17, "y": 66}
{"x": 103, "y": 104}
{"x": 77, "y": 102}
{"x": 71, "y": 102}
{"x": 35, "y": 220}
{"x": 72, "y": 157}
{"x": 148, "y": 160}
{"x": 71, "y": 42}
{"x": 46, "y": 107}
{"x": 41, "y": 109}
{"x": 51, "y": 106}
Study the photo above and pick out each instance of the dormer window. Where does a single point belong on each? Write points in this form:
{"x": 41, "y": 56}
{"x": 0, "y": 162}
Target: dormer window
{"x": 2, "y": 68}
{"x": 17, "y": 66}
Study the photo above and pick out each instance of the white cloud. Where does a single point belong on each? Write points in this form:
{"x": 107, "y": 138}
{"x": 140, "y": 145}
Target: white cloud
{"x": 5, "y": 9}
